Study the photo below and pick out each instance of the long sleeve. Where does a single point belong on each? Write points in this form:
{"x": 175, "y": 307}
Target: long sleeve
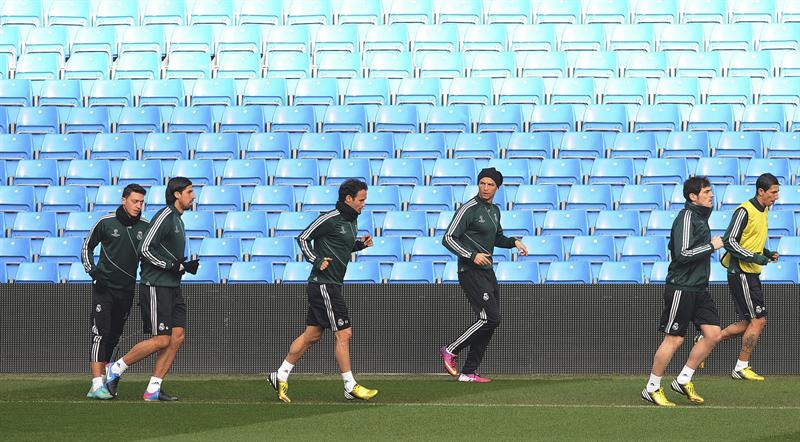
{"x": 452, "y": 236}
{"x": 359, "y": 246}
{"x": 92, "y": 240}
{"x": 503, "y": 241}
{"x": 159, "y": 229}
{"x": 734, "y": 234}
{"x": 316, "y": 229}
{"x": 682, "y": 238}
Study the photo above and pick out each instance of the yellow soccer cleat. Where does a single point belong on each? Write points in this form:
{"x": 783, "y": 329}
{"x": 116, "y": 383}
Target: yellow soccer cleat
{"x": 657, "y": 397}
{"x": 281, "y": 387}
{"x": 688, "y": 391}
{"x": 746, "y": 374}
{"x": 359, "y": 392}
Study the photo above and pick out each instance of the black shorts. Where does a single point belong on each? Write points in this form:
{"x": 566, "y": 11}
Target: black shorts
{"x": 747, "y": 295}
{"x": 682, "y": 307}
{"x": 163, "y": 309}
{"x": 110, "y": 310}
{"x": 326, "y": 307}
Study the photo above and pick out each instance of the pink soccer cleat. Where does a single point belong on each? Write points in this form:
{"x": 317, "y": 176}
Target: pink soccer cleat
{"x": 450, "y": 361}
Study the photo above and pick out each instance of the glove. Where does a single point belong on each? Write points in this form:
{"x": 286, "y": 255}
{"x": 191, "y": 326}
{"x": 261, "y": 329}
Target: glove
{"x": 178, "y": 267}
{"x": 760, "y": 259}
{"x": 191, "y": 266}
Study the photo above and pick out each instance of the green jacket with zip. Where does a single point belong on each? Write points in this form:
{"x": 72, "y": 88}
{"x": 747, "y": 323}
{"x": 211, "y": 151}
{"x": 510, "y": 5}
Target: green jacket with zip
{"x": 119, "y": 250}
{"x": 475, "y": 228}
{"x": 334, "y": 235}
{"x": 691, "y": 249}
{"x": 163, "y": 246}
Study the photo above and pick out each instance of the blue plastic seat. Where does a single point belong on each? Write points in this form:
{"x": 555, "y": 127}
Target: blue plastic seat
{"x": 401, "y": 171}
{"x": 732, "y": 90}
{"x": 593, "y": 249}
{"x": 613, "y": 171}
{"x": 15, "y": 199}
{"x": 571, "y": 272}
{"x": 363, "y": 273}
{"x": 711, "y": 11}
{"x": 665, "y": 11}
{"x": 662, "y": 117}
{"x": 63, "y": 93}
{"x": 200, "y": 172}
{"x": 515, "y": 171}
{"x": 15, "y": 250}
{"x": 780, "y": 273}
{"x": 476, "y": 146}
{"x": 754, "y": 12}
{"x": 658, "y": 274}
{"x": 681, "y": 37}
{"x": 340, "y": 170}
{"x": 698, "y": 64}
{"x": 168, "y": 12}
{"x": 319, "y": 198}
{"x": 788, "y": 249}
{"x": 37, "y": 120}
{"x": 538, "y": 197}
{"x": 385, "y": 249}
{"x": 565, "y": 222}
{"x": 750, "y": 65}
{"x": 372, "y": 146}
{"x": 338, "y": 65}
{"x": 517, "y": 222}
{"x": 505, "y": 118}
{"x": 293, "y": 223}
{"x": 783, "y": 36}
{"x": 530, "y": 145}
{"x": 633, "y": 37}
{"x": 557, "y": 118}
{"x": 106, "y": 199}
{"x": 398, "y": 119}
{"x": 169, "y": 146}
{"x": 719, "y": 170}
{"x": 428, "y": 248}
{"x": 274, "y": 250}
{"x": 218, "y": 12}
{"x": 719, "y": 221}
{"x": 320, "y": 146}
{"x": 665, "y": 171}
{"x": 384, "y": 198}
{"x": 730, "y": 37}
{"x": 246, "y": 226}
{"x": 213, "y": 92}
{"x": 88, "y": 173}
{"x": 220, "y": 200}
{"x": 768, "y": 117}
{"x": 87, "y": 66}
{"x": 782, "y": 223}
{"x": 197, "y": 225}
{"x": 431, "y": 198}
{"x": 62, "y": 147}
{"x": 61, "y": 250}
{"x": 779, "y": 90}
{"x": 642, "y": 197}
{"x": 362, "y": 13}
{"x": 36, "y": 173}
{"x": 351, "y": 118}
{"x": 518, "y": 273}
{"x": 250, "y": 273}
{"x": 621, "y": 273}
{"x": 421, "y": 272}
{"x": 428, "y": 147}
{"x": 573, "y": 91}
{"x": 138, "y": 66}
{"x": 734, "y": 195}
{"x": 404, "y": 224}
{"x": 711, "y": 117}
{"x": 220, "y": 251}
{"x": 644, "y": 248}
{"x": 143, "y": 39}
{"x": 117, "y": 93}
{"x": 740, "y": 145}
{"x": 296, "y": 273}
{"x": 367, "y": 91}
{"x": 88, "y": 120}
{"x": 590, "y": 197}
{"x": 779, "y": 167}
{"x": 448, "y": 119}
{"x": 543, "y": 249}
{"x": 294, "y": 65}
{"x": 316, "y": 91}
{"x": 16, "y": 92}
{"x": 218, "y": 147}
{"x": 37, "y": 225}
{"x": 77, "y": 274}
{"x": 116, "y": 12}
{"x": 243, "y": 38}
{"x": 310, "y": 13}
{"x": 442, "y": 222}
{"x": 681, "y": 90}
{"x": 293, "y": 119}
{"x": 686, "y": 145}
{"x": 262, "y": 12}
{"x": 605, "y": 117}
{"x": 546, "y": 65}
{"x": 265, "y": 92}
{"x": 269, "y": 146}
{"x": 454, "y": 172}
{"x": 118, "y": 146}
{"x": 651, "y": 65}
{"x": 784, "y": 145}
{"x": 512, "y": 12}
{"x": 660, "y": 222}
{"x": 239, "y": 65}
{"x": 245, "y": 173}
{"x": 37, "y": 272}
{"x": 617, "y": 223}
{"x": 523, "y": 91}
{"x": 582, "y": 145}
{"x": 559, "y": 171}
{"x": 493, "y": 65}
{"x": 162, "y": 93}
{"x": 191, "y": 120}
{"x": 395, "y": 65}
{"x": 297, "y": 172}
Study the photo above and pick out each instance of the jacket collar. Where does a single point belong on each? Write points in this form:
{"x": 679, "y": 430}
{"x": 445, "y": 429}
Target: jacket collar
{"x": 481, "y": 200}
{"x": 704, "y": 212}
{"x": 347, "y": 212}
{"x": 125, "y": 219}
{"x": 757, "y": 205}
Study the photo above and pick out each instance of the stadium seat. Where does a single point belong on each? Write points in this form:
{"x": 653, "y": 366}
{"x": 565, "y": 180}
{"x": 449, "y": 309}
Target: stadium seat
{"x": 107, "y": 198}
{"x": 719, "y": 170}
{"x": 557, "y": 118}
{"x": 510, "y": 12}
{"x": 649, "y": 65}
{"x": 644, "y": 248}
{"x": 351, "y": 118}
{"x": 543, "y": 249}
{"x": 169, "y": 146}
{"x": 340, "y": 170}
{"x": 61, "y": 250}
{"x": 207, "y": 273}
{"x": 621, "y": 273}
{"x": 143, "y": 39}
{"x": 477, "y": 146}
{"x": 735, "y": 195}
{"x": 385, "y": 249}
{"x": 517, "y": 222}
{"x": 88, "y": 120}
{"x": 781, "y": 223}
{"x": 614, "y": 171}
{"x": 763, "y": 11}
{"x": 296, "y": 273}
{"x": 297, "y": 172}
{"x": 593, "y": 249}
{"x": 220, "y": 251}
{"x": 246, "y": 226}
{"x": 533, "y": 145}
{"x": 319, "y": 198}
{"x": 660, "y": 222}
{"x": 269, "y": 251}
{"x": 412, "y": 273}
{"x": 567, "y": 12}
{"x": 573, "y": 91}
{"x": 200, "y": 172}
{"x": 427, "y": 248}
{"x": 569, "y": 273}
{"x": 779, "y": 90}
{"x": 404, "y": 224}
{"x": 641, "y": 197}
{"x": 77, "y": 274}
{"x": 590, "y": 197}
{"x": 37, "y": 272}
{"x": 718, "y": 222}
{"x": 138, "y": 66}
{"x": 768, "y": 117}
{"x": 197, "y": 225}
{"x": 515, "y": 171}
{"x": 444, "y": 119}
{"x": 36, "y": 225}
{"x": 454, "y": 172}
{"x": 366, "y": 13}
{"x": 217, "y": 147}
{"x": 14, "y": 251}
{"x": 538, "y": 197}
{"x": 37, "y": 121}
{"x": 245, "y": 173}
{"x": 740, "y": 145}
{"x": 220, "y": 200}
{"x": 401, "y": 171}
{"x": 780, "y": 273}
{"x": 559, "y": 171}
{"x": 393, "y": 65}
{"x": 36, "y": 173}
{"x": 665, "y": 171}
{"x": 518, "y": 273}
{"x": 686, "y": 144}
{"x": 599, "y": 65}
{"x": 62, "y": 147}
{"x": 658, "y": 274}
{"x": 293, "y": 223}
{"x": 617, "y": 223}
{"x": 431, "y": 198}
{"x": 565, "y": 223}
{"x": 268, "y": 146}
{"x": 162, "y": 93}
{"x": 367, "y": 91}
{"x": 218, "y": 13}
{"x": 776, "y": 166}
{"x": 272, "y": 199}
{"x": 145, "y": 173}
{"x": 363, "y": 273}
{"x": 606, "y": 118}
{"x": 64, "y": 199}
{"x": 261, "y": 12}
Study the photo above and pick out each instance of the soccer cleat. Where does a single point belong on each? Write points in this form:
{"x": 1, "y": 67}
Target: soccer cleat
{"x": 746, "y": 374}
{"x": 697, "y": 339}
{"x": 112, "y": 380}
{"x": 159, "y": 395}
{"x": 450, "y": 362}
{"x": 281, "y": 387}
{"x": 359, "y": 392}
{"x": 657, "y": 397}
{"x": 473, "y": 377}
{"x": 688, "y": 391}
{"x": 101, "y": 393}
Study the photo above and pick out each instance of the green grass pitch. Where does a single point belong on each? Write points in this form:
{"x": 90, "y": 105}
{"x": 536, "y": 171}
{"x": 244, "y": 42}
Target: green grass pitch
{"x": 42, "y": 407}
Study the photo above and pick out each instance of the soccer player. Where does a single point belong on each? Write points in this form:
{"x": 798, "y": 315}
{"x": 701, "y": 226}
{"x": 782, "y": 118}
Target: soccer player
{"x": 334, "y": 236}
{"x": 472, "y": 235}
{"x": 745, "y": 253}
{"x": 162, "y": 305}
{"x": 686, "y": 294}
{"x": 113, "y": 279}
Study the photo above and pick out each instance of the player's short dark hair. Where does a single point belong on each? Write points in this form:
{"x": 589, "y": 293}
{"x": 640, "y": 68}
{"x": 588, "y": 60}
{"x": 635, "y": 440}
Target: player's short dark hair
{"x": 765, "y": 181}
{"x": 351, "y": 187}
{"x": 176, "y": 184}
{"x": 133, "y": 188}
{"x": 694, "y": 185}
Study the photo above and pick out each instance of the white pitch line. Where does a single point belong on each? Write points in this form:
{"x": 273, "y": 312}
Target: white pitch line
{"x": 422, "y": 404}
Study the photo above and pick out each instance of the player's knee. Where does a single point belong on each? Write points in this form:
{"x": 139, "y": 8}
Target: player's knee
{"x": 344, "y": 335}
{"x": 674, "y": 341}
{"x": 714, "y": 336}
{"x": 177, "y": 337}
{"x": 759, "y": 322}
{"x": 161, "y": 341}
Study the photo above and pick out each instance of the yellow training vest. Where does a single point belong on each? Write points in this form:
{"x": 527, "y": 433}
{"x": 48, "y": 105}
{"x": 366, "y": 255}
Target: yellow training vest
{"x": 754, "y": 236}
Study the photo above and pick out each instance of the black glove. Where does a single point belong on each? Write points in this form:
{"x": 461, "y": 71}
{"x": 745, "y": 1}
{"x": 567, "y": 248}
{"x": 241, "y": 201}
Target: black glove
{"x": 760, "y": 259}
{"x": 191, "y": 266}
{"x": 176, "y": 267}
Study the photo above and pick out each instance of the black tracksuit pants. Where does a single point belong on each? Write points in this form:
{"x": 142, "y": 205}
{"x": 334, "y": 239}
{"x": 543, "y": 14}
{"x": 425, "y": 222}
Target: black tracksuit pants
{"x": 483, "y": 293}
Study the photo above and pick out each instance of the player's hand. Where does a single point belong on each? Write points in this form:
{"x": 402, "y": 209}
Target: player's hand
{"x": 367, "y": 240}
{"x": 774, "y": 257}
{"x": 177, "y": 267}
{"x": 483, "y": 259}
{"x": 716, "y": 242}
{"x": 523, "y": 250}
{"x": 325, "y": 263}
{"x": 191, "y": 266}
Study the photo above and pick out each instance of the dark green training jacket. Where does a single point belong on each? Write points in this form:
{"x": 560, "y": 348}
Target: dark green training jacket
{"x": 163, "y": 245}
{"x": 691, "y": 249}
{"x": 475, "y": 228}
{"x": 119, "y": 236}
{"x": 334, "y": 235}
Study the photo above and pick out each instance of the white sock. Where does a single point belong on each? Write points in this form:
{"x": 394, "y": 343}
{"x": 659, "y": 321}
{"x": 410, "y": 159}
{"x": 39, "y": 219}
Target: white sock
{"x": 686, "y": 375}
{"x": 653, "y": 384}
{"x": 97, "y": 383}
{"x": 119, "y": 367}
{"x": 349, "y": 380}
{"x": 284, "y": 370}
{"x": 740, "y": 365}
{"x": 154, "y": 385}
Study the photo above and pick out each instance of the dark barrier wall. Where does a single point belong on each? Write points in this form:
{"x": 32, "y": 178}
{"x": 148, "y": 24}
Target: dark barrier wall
{"x": 398, "y": 329}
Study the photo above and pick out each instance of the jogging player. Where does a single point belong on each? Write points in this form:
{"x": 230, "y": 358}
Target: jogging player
{"x": 113, "y": 279}
{"x": 472, "y": 235}
{"x": 334, "y": 236}
{"x": 745, "y": 254}
{"x": 162, "y": 305}
{"x": 686, "y": 294}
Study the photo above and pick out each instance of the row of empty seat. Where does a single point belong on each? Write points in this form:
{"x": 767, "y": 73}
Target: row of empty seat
{"x": 326, "y": 12}
{"x": 422, "y": 272}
